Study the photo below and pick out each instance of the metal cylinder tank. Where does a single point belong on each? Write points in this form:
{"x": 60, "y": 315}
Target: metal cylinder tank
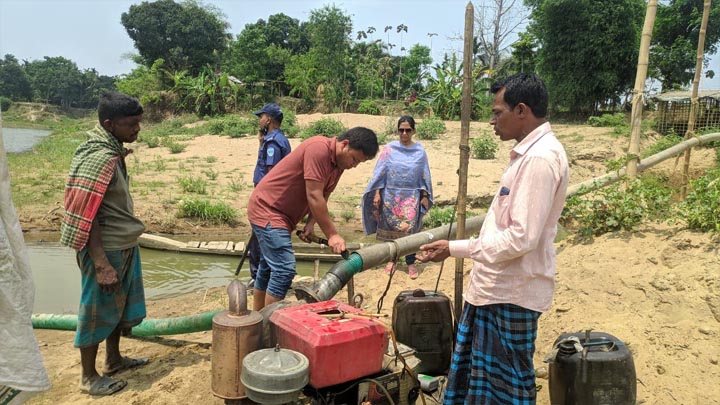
{"x": 236, "y": 333}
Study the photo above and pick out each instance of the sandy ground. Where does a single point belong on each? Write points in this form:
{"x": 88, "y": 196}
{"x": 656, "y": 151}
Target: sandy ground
{"x": 657, "y": 289}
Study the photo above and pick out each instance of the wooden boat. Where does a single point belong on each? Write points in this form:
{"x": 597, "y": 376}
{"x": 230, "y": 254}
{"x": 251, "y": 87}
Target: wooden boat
{"x": 303, "y": 251}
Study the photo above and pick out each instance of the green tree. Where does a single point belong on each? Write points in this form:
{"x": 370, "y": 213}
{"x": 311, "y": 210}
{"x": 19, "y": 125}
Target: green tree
{"x": 330, "y": 30}
{"x": 93, "y": 86}
{"x": 14, "y": 82}
{"x": 302, "y": 75}
{"x": 144, "y": 82}
{"x": 524, "y": 55}
{"x": 56, "y": 80}
{"x": 588, "y": 50}
{"x": 207, "y": 93}
{"x": 673, "y": 48}
{"x": 413, "y": 67}
{"x": 365, "y": 62}
{"x": 263, "y": 49}
{"x": 187, "y": 35}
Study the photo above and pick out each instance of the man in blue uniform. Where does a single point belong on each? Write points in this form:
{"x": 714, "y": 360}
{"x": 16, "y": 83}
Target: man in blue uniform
{"x": 273, "y": 147}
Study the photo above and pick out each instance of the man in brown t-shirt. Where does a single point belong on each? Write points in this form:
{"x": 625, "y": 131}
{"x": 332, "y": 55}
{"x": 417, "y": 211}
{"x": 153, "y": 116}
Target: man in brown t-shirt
{"x": 300, "y": 185}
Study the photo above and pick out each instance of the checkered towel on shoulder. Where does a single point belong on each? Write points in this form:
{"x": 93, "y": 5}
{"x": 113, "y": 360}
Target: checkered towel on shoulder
{"x": 493, "y": 359}
{"x": 91, "y": 170}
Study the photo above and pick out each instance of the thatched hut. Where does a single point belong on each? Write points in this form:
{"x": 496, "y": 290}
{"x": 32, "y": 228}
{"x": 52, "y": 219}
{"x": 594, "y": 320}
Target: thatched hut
{"x": 674, "y": 111}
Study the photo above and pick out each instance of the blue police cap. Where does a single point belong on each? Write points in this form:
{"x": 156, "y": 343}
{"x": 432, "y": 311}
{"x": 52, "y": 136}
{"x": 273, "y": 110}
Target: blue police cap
{"x": 272, "y": 110}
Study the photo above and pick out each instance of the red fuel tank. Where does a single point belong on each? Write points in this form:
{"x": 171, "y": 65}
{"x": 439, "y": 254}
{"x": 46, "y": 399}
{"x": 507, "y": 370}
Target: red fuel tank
{"x": 339, "y": 349}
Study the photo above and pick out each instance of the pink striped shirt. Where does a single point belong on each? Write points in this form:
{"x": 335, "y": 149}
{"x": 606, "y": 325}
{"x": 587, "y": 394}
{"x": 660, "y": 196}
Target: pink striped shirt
{"x": 514, "y": 255}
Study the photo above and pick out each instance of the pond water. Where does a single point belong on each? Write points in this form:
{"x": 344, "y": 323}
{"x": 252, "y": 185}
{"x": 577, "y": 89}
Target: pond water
{"x": 18, "y": 140}
{"x": 165, "y": 274}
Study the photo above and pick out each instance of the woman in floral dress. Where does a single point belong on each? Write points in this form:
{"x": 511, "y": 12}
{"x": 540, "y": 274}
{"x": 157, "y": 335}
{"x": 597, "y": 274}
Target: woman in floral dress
{"x": 400, "y": 192}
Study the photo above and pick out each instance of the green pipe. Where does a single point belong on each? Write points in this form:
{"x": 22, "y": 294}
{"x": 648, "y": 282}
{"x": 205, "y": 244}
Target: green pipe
{"x": 148, "y": 327}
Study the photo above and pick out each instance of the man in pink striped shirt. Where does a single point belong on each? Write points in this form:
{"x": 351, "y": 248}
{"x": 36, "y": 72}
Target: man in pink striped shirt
{"x": 513, "y": 276}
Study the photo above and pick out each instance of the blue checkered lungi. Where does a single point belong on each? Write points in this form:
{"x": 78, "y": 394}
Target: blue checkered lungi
{"x": 493, "y": 359}
{"x": 101, "y": 313}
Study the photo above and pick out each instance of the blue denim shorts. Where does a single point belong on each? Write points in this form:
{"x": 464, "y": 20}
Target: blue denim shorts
{"x": 276, "y": 268}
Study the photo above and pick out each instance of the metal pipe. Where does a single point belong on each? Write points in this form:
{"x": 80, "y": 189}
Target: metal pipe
{"x": 368, "y": 257}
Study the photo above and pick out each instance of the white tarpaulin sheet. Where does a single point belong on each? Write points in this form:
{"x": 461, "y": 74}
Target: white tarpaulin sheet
{"x": 21, "y": 365}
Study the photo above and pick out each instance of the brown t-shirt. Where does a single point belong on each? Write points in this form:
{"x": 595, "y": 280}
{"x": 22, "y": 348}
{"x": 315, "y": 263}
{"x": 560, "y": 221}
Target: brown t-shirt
{"x": 280, "y": 198}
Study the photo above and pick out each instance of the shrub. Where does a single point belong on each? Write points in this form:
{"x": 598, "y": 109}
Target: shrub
{"x": 289, "y": 124}
{"x": 216, "y": 213}
{"x": 438, "y": 216}
{"x": 484, "y": 146}
{"x": 701, "y": 208}
{"x": 608, "y": 120}
{"x": 232, "y": 125}
{"x": 152, "y": 142}
{"x": 193, "y": 185}
{"x": 390, "y": 126}
{"x": 325, "y": 126}
{"x": 174, "y": 146}
{"x": 159, "y": 164}
{"x": 663, "y": 143}
{"x": 5, "y": 103}
{"x": 369, "y": 107}
{"x": 430, "y": 128}
{"x": 347, "y": 215}
{"x": 617, "y": 207}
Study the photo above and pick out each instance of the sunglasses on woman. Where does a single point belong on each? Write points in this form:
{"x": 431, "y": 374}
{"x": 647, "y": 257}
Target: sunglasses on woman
{"x": 405, "y": 130}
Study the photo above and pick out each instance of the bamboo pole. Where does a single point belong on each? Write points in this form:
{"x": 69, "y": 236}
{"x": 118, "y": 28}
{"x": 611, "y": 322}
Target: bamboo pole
{"x": 465, "y": 113}
{"x": 612, "y": 177}
{"x": 637, "y": 102}
{"x": 693, "y": 99}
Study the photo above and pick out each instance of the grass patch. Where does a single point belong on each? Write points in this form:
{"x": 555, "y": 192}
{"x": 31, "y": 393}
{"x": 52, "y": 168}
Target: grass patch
{"x": 211, "y": 174}
{"x": 38, "y": 176}
{"x": 193, "y": 185}
{"x": 701, "y": 208}
{"x": 205, "y": 210}
{"x": 618, "y": 207}
{"x": 237, "y": 184}
{"x": 347, "y": 215}
{"x": 663, "y": 143}
{"x": 439, "y": 216}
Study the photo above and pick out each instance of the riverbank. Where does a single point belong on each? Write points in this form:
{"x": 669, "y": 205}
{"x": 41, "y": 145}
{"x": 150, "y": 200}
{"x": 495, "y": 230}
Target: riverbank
{"x": 656, "y": 288}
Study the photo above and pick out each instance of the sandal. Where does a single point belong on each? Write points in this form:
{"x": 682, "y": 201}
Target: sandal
{"x": 413, "y": 271}
{"x": 126, "y": 363}
{"x": 389, "y": 267}
{"x": 103, "y": 386}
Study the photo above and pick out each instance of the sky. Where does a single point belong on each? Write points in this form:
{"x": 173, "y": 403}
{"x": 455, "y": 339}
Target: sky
{"x": 89, "y": 32}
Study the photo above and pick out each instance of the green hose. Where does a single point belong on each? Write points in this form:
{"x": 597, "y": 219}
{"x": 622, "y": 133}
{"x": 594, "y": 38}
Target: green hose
{"x": 148, "y": 327}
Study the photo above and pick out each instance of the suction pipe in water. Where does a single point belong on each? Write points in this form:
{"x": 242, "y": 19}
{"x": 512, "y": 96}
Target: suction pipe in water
{"x": 341, "y": 272}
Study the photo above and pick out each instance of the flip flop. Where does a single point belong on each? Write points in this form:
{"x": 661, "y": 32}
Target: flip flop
{"x": 103, "y": 386}
{"x": 413, "y": 271}
{"x": 126, "y": 363}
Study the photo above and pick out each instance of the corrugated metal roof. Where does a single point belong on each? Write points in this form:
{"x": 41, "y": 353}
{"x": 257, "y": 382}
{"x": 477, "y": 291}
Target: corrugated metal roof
{"x": 684, "y": 95}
